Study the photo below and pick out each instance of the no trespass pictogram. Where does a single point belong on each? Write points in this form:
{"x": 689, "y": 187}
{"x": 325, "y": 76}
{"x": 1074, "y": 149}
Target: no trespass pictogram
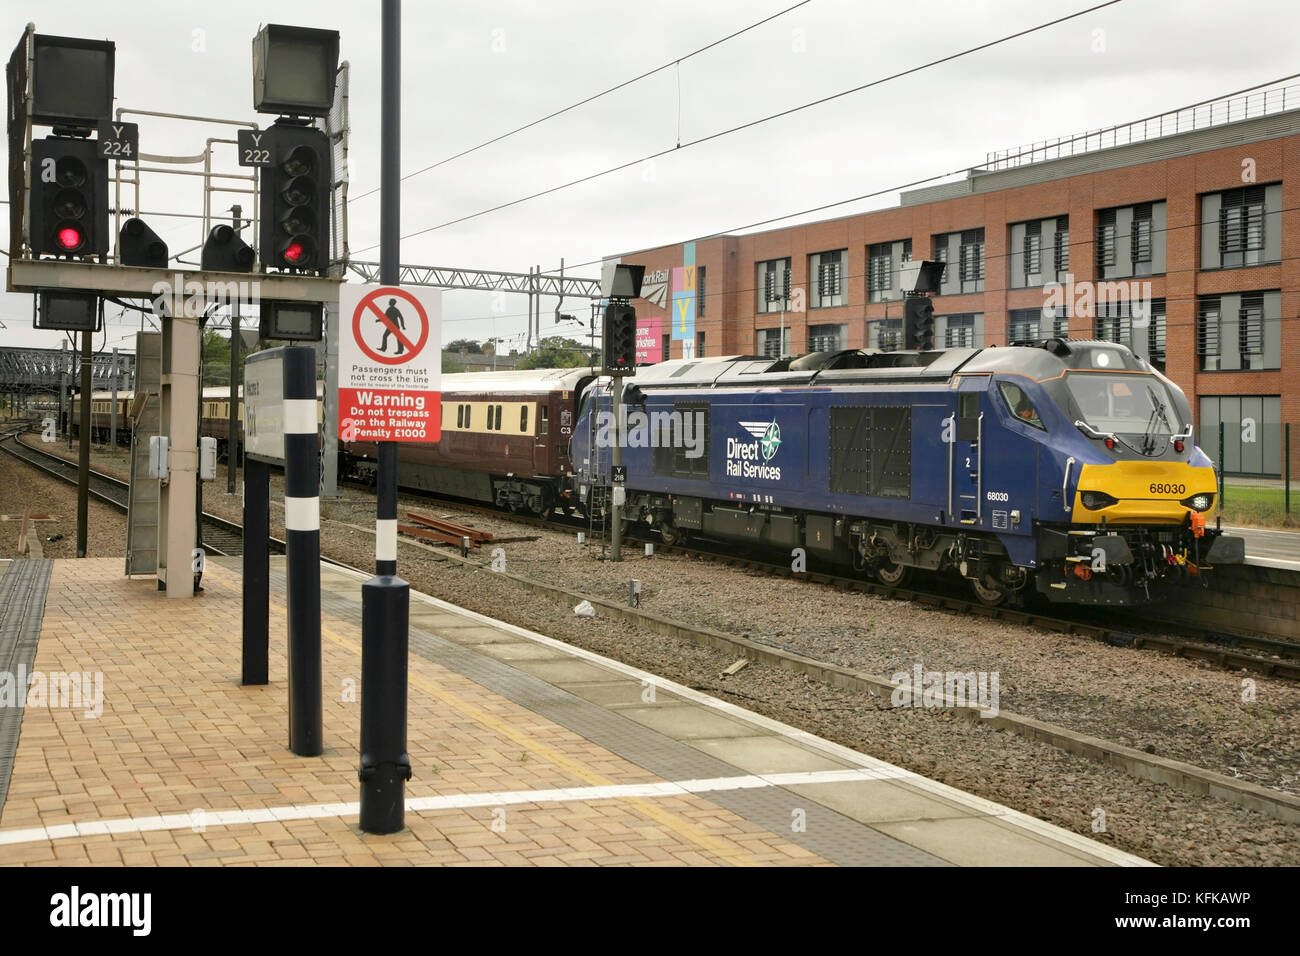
{"x": 383, "y": 323}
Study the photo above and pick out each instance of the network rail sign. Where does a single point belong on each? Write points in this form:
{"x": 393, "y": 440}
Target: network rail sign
{"x": 390, "y": 364}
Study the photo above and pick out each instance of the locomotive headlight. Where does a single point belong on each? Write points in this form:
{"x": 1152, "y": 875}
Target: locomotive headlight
{"x": 1201, "y": 502}
{"x": 1096, "y": 500}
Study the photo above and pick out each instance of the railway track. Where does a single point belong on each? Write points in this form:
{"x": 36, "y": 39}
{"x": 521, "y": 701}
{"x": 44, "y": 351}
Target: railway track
{"x": 1228, "y": 650}
{"x": 1124, "y": 629}
{"x": 218, "y": 535}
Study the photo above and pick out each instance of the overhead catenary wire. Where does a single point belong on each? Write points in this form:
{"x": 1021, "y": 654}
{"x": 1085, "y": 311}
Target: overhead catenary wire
{"x": 760, "y": 121}
{"x": 595, "y": 96}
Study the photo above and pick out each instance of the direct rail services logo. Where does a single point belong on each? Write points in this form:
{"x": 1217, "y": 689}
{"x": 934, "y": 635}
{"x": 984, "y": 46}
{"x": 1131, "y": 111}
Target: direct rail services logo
{"x": 743, "y": 458}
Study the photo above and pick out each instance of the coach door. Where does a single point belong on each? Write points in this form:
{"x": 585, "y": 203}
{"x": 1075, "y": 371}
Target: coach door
{"x": 965, "y": 460}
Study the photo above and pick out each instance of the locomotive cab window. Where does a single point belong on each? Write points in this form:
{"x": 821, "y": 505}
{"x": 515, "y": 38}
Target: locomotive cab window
{"x": 1018, "y": 403}
{"x": 1124, "y": 404}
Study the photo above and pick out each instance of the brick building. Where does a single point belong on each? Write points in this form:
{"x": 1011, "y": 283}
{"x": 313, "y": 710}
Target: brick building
{"x": 1184, "y": 245}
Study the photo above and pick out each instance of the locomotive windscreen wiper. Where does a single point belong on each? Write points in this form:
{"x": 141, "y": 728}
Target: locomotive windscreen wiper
{"x": 1157, "y": 413}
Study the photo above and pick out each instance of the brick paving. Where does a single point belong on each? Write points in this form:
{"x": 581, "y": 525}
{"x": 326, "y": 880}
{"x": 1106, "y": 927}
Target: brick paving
{"x": 178, "y": 734}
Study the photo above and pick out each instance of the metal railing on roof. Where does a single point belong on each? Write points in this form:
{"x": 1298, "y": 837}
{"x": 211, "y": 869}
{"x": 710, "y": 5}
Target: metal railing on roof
{"x": 1197, "y": 116}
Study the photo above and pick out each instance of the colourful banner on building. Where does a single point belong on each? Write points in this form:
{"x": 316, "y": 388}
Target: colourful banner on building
{"x": 683, "y": 297}
{"x": 649, "y": 339}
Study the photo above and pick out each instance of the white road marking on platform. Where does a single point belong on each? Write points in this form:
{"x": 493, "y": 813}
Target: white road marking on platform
{"x": 454, "y": 801}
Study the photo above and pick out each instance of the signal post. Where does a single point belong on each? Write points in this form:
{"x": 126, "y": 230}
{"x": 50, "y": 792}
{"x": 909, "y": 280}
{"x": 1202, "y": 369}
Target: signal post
{"x": 62, "y": 249}
{"x": 619, "y": 284}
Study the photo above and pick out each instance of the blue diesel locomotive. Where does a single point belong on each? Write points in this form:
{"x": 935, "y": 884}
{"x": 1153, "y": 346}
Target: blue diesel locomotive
{"x": 1064, "y": 467}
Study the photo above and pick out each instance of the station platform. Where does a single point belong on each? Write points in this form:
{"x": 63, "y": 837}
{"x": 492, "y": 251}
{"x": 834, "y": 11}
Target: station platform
{"x": 525, "y": 750}
{"x": 1270, "y": 548}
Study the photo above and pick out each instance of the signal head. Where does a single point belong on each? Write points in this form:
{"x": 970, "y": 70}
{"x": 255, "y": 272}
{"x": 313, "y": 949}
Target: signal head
{"x": 70, "y": 238}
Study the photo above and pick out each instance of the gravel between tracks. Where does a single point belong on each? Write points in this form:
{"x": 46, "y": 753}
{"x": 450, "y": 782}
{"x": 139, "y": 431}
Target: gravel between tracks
{"x": 1169, "y": 706}
{"x": 23, "y": 487}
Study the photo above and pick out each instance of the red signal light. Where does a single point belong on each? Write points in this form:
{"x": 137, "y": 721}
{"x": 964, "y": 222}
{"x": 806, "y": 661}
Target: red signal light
{"x": 1110, "y": 443}
{"x": 70, "y": 238}
{"x": 293, "y": 253}
{"x": 1178, "y": 444}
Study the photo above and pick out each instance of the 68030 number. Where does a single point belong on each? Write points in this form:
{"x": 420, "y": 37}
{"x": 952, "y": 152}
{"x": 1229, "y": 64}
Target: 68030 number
{"x": 1160, "y": 488}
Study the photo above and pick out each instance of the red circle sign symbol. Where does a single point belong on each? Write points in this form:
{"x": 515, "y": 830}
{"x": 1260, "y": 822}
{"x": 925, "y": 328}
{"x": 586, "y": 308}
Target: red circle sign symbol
{"x": 368, "y": 307}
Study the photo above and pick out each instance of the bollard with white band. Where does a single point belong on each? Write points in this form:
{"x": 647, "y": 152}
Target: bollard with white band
{"x": 302, "y": 550}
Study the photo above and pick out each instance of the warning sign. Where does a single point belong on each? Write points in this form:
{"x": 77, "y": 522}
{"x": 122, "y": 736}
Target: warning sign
{"x": 389, "y": 364}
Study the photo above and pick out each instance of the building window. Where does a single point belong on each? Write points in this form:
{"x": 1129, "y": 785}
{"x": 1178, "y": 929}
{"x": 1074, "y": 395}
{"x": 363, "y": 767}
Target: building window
{"x": 1239, "y": 330}
{"x": 1138, "y": 325}
{"x": 1033, "y": 325}
{"x": 1113, "y": 322}
{"x": 1241, "y": 227}
{"x": 826, "y": 274}
{"x": 667, "y": 347}
{"x": 701, "y": 297}
{"x": 1033, "y": 249}
{"x": 773, "y": 343}
{"x": 1022, "y": 325}
{"x": 1250, "y": 331}
{"x": 889, "y": 334}
{"x": 1207, "y": 332}
{"x": 1252, "y": 433}
{"x": 826, "y": 338}
{"x": 773, "y": 285}
{"x": 1061, "y": 245}
{"x": 699, "y": 344}
{"x": 880, "y": 269}
{"x": 1140, "y": 238}
{"x": 1156, "y": 336}
{"x": 972, "y": 260}
{"x": 1105, "y": 238}
{"x": 959, "y": 331}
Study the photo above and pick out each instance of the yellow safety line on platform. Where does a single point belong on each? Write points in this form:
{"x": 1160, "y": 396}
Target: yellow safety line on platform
{"x": 681, "y": 827}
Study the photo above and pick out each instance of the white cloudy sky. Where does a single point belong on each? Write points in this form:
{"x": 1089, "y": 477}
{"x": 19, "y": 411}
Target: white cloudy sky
{"x": 474, "y": 70}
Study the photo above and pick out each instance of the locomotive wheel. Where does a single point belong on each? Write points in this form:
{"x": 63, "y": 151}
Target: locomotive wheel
{"x": 894, "y": 575}
{"x": 989, "y": 597}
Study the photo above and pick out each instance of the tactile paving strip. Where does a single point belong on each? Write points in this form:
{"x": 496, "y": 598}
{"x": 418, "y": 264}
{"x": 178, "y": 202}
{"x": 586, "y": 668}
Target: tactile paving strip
{"x": 829, "y": 834}
{"x": 22, "y": 608}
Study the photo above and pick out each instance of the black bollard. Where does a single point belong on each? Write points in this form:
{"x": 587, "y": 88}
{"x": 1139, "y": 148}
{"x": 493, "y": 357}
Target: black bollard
{"x": 385, "y": 764}
{"x": 257, "y": 570}
{"x": 302, "y": 550}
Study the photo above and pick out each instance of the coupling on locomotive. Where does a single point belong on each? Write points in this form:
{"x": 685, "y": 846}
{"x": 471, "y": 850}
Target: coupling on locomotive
{"x": 1063, "y": 468}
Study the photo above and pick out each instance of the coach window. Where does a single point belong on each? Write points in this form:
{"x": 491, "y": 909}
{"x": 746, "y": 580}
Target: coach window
{"x": 1019, "y": 404}
{"x": 460, "y": 416}
{"x": 523, "y": 420}
{"x": 497, "y": 426}
{"x": 545, "y": 424}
